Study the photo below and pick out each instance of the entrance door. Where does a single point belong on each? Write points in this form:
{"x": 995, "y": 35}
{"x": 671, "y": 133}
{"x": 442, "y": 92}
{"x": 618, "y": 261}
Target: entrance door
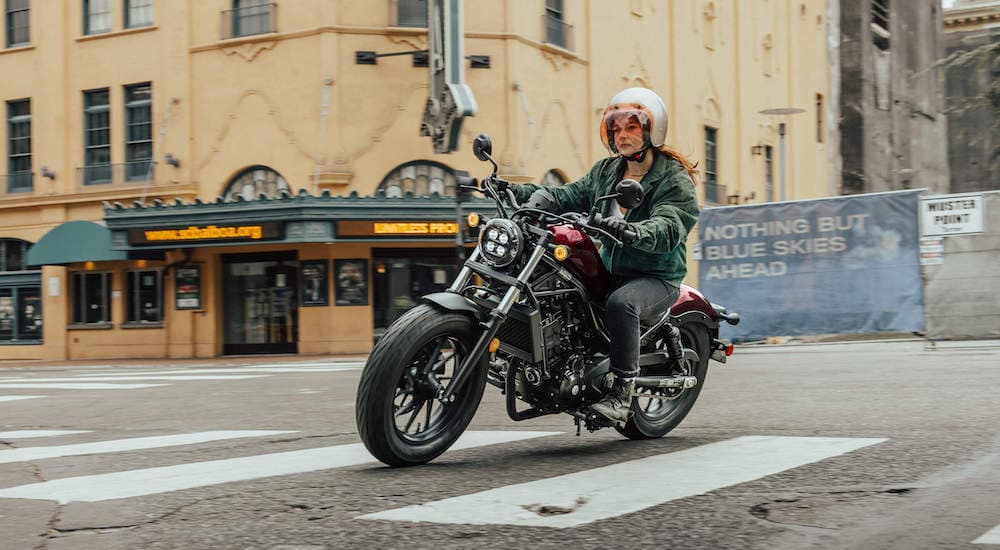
{"x": 402, "y": 276}
{"x": 261, "y": 303}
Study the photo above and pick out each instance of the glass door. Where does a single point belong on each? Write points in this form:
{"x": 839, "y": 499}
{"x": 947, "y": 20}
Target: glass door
{"x": 261, "y": 304}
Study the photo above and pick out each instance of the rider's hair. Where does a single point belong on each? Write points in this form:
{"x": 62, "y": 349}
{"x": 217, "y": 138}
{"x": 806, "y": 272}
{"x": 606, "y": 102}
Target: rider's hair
{"x": 687, "y": 164}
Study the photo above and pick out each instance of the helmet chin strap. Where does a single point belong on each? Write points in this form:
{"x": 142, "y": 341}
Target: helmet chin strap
{"x": 638, "y": 156}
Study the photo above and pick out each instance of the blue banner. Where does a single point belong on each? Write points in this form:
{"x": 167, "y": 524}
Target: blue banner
{"x": 826, "y": 266}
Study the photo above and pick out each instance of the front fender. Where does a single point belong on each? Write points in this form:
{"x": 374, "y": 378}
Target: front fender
{"x": 456, "y": 302}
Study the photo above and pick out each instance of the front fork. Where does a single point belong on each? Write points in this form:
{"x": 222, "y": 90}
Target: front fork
{"x": 490, "y": 326}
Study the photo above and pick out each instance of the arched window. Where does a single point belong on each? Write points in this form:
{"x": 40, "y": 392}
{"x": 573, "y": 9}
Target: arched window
{"x": 12, "y": 254}
{"x": 420, "y": 177}
{"x": 255, "y": 181}
{"x": 553, "y": 177}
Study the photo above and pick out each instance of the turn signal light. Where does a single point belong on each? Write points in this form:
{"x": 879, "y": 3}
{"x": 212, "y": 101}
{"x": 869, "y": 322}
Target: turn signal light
{"x": 561, "y": 252}
{"x": 494, "y": 345}
{"x": 729, "y": 350}
{"x": 473, "y": 219}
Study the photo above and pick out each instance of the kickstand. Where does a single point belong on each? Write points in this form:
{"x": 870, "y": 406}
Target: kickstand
{"x": 577, "y": 426}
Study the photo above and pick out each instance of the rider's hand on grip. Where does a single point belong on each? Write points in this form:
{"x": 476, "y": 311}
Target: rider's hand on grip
{"x": 617, "y": 227}
{"x": 540, "y": 199}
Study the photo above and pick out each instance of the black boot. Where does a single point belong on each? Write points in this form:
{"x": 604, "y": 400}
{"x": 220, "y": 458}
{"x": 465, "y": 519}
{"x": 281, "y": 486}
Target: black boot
{"x": 617, "y": 404}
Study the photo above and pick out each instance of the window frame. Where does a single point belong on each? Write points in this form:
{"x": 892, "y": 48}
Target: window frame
{"x": 79, "y": 298}
{"x": 88, "y": 131}
{"x": 133, "y": 296}
{"x": 239, "y": 21}
{"x": 711, "y": 164}
{"x": 143, "y": 172}
{"x": 16, "y": 158}
{"x": 128, "y": 7}
{"x": 17, "y": 292}
{"x": 89, "y": 15}
{"x": 410, "y": 21}
{"x": 10, "y": 14}
{"x": 5, "y": 257}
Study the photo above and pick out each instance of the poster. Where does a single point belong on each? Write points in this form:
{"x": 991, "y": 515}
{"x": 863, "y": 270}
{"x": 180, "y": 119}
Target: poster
{"x": 351, "y": 279}
{"x": 187, "y": 287}
{"x": 315, "y": 283}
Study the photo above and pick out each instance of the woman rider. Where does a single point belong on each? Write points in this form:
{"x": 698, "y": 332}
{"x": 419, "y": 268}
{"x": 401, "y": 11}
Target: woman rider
{"x": 647, "y": 272}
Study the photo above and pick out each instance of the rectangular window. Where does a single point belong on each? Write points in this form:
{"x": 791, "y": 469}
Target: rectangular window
{"x": 252, "y": 17}
{"x": 880, "y": 23}
{"x": 138, "y": 131}
{"x": 820, "y": 127}
{"x": 19, "y": 146}
{"x": 555, "y": 26}
{"x": 96, "y": 16}
{"x": 412, "y": 13}
{"x": 91, "y": 298}
{"x": 711, "y": 167}
{"x": 97, "y": 137}
{"x": 138, "y": 13}
{"x": 17, "y": 22}
{"x": 143, "y": 297}
{"x": 21, "y": 314}
{"x": 12, "y": 253}
{"x": 769, "y": 173}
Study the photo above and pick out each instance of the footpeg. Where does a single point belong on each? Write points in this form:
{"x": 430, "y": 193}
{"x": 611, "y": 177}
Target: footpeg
{"x": 681, "y": 382}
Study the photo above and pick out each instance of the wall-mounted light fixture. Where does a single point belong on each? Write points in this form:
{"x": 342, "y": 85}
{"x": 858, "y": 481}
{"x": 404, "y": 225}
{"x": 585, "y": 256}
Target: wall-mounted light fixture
{"x": 172, "y": 160}
{"x": 46, "y": 173}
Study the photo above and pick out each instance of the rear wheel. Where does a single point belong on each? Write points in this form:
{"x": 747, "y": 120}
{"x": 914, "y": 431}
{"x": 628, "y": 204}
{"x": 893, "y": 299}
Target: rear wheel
{"x": 664, "y": 408}
{"x": 399, "y": 417}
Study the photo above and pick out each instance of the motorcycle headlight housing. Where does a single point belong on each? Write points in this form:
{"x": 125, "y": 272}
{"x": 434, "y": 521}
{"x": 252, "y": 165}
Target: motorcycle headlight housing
{"x": 501, "y": 242}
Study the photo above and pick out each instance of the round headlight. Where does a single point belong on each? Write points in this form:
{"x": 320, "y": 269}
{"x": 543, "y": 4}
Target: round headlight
{"x": 502, "y": 242}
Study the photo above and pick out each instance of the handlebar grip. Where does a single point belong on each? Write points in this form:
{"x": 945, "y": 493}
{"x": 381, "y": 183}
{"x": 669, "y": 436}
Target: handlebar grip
{"x": 629, "y": 236}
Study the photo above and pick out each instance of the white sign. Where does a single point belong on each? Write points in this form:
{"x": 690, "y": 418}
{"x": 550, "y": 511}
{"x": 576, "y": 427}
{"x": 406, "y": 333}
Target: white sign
{"x": 54, "y": 286}
{"x": 951, "y": 214}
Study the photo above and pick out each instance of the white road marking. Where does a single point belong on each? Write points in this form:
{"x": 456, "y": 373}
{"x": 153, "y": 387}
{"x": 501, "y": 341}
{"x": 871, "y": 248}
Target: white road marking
{"x": 179, "y": 377}
{"x": 131, "y": 444}
{"x": 990, "y": 537}
{"x": 218, "y": 371}
{"x": 25, "y": 434}
{"x": 76, "y": 386}
{"x": 596, "y": 494}
{"x": 19, "y": 397}
{"x": 153, "y": 481}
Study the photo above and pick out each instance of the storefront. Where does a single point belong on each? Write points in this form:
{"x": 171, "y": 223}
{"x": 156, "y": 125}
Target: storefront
{"x": 297, "y": 274}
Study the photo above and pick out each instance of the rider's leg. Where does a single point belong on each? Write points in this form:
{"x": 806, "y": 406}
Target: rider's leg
{"x": 634, "y": 299}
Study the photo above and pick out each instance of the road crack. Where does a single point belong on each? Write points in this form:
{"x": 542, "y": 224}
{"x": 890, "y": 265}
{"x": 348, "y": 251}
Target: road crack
{"x": 795, "y": 511}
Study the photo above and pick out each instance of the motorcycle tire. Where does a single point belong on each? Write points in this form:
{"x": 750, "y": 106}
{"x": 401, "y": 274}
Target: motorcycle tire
{"x": 646, "y": 423}
{"x": 416, "y": 341}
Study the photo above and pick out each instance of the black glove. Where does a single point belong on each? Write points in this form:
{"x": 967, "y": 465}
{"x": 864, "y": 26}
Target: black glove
{"x": 540, "y": 199}
{"x": 615, "y": 226}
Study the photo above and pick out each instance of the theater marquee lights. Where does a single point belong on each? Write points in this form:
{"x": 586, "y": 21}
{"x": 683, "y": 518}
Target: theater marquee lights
{"x": 207, "y": 233}
{"x": 396, "y": 229}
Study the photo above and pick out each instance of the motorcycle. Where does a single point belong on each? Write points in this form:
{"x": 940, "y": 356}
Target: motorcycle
{"x": 525, "y": 315}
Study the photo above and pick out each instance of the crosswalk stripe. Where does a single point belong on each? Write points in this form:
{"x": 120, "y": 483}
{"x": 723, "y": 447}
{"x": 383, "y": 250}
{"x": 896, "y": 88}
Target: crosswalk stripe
{"x": 178, "y": 377}
{"x": 98, "y": 376}
{"x": 152, "y": 481}
{"x": 610, "y": 491}
{"x": 19, "y": 397}
{"x": 26, "y": 434}
{"x": 75, "y": 386}
{"x": 131, "y": 444}
{"x": 990, "y": 537}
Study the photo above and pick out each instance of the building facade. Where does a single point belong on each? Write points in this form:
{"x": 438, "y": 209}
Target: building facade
{"x": 972, "y": 85}
{"x": 192, "y": 179}
{"x": 893, "y": 128}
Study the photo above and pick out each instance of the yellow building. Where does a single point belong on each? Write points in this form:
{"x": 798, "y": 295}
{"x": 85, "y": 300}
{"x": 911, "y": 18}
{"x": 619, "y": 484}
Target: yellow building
{"x": 238, "y": 99}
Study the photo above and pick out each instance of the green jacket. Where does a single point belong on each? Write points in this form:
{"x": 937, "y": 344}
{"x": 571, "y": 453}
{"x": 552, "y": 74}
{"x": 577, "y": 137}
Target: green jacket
{"x": 668, "y": 211}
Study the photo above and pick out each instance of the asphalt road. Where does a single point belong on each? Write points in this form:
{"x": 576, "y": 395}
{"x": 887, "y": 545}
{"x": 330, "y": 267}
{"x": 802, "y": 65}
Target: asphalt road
{"x": 868, "y": 445}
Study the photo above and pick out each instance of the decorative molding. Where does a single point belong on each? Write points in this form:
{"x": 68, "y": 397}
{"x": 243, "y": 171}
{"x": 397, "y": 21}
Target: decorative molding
{"x": 250, "y": 50}
{"x": 558, "y": 61}
{"x": 414, "y": 42}
{"x": 233, "y": 115}
{"x": 557, "y": 107}
{"x": 636, "y": 74}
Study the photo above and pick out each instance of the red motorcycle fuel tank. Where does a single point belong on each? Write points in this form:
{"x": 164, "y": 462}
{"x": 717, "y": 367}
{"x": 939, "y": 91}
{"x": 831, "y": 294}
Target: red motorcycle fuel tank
{"x": 584, "y": 260}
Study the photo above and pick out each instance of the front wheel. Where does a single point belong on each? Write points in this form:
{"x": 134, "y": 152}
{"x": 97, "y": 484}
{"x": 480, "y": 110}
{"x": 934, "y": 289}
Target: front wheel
{"x": 399, "y": 417}
{"x": 654, "y": 416}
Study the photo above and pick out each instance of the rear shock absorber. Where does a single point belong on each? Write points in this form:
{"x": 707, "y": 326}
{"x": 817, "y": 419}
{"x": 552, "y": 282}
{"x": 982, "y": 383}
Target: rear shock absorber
{"x": 673, "y": 343}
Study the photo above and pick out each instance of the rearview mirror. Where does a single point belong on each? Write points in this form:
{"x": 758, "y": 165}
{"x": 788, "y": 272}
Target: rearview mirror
{"x": 630, "y": 193}
{"x": 482, "y": 147}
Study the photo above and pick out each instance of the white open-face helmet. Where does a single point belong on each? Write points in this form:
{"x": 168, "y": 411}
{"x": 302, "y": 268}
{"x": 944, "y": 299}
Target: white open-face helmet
{"x": 645, "y": 106}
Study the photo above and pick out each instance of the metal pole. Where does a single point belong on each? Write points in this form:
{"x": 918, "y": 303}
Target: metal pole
{"x": 781, "y": 132}
{"x": 459, "y": 236}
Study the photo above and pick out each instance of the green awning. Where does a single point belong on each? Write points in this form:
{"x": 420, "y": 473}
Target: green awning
{"x": 76, "y": 241}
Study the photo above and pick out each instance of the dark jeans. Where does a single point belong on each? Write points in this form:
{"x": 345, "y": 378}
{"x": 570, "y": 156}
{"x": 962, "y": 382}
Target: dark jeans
{"x": 634, "y": 299}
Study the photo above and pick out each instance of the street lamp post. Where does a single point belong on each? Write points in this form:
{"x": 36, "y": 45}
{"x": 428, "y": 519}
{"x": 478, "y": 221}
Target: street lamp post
{"x": 782, "y": 111}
